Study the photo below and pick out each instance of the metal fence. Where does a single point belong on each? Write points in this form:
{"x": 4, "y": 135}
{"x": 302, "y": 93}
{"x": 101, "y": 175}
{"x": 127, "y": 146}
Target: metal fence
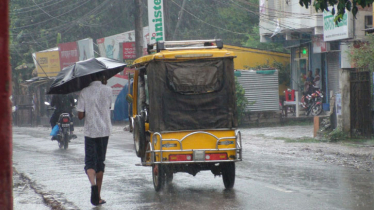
{"x": 360, "y": 95}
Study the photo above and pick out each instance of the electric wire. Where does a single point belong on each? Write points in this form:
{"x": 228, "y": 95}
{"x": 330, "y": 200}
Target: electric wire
{"x": 15, "y": 11}
{"x": 55, "y": 17}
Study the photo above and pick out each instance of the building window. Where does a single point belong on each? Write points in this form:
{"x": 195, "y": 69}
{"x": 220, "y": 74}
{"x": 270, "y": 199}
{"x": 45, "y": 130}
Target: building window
{"x": 368, "y": 21}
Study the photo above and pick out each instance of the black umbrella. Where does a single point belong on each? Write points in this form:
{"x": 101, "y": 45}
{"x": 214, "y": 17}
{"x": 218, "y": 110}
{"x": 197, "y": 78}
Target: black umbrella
{"x": 79, "y": 75}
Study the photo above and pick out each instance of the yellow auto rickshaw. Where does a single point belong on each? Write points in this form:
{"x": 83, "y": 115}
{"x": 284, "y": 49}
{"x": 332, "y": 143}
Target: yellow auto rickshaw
{"x": 184, "y": 110}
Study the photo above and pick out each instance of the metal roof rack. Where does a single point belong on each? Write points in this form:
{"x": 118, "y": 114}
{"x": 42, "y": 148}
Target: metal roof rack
{"x": 185, "y": 45}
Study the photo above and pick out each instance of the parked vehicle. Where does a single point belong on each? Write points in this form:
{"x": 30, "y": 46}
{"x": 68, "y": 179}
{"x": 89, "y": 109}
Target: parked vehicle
{"x": 312, "y": 103}
{"x": 184, "y": 110}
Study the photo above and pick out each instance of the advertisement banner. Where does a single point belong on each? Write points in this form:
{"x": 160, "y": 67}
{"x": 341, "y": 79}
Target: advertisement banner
{"x": 116, "y": 83}
{"x": 319, "y": 46}
{"x": 85, "y": 48}
{"x": 68, "y": 54}
{"x": 48, "y": 63}
{"x": 342, "y": 30}
{"x": 110, "y": 46}
{"x": 129, "y": 50}
{"x": 156, "y": 20}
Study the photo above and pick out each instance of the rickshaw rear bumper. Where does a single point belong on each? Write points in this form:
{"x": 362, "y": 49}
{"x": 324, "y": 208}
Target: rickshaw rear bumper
{"x": 237, "y": 151}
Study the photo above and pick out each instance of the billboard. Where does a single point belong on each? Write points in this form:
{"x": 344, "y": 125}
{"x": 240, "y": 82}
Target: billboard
{"x": 117, "y": 83}
{"x": 47, "y": 63}
{"x": 68, "y": 54}
{"x": 319, "y": 46}
{"x": 156, "y": 20}
{"x": 85, "y": 48}
{"x": 342, "y": 30}
{"x": 128, "y": 50}
{"x": 110, "y": 46}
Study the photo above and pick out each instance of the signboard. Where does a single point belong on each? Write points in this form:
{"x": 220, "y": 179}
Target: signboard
{"x": 68, "y": 54}
{"x": 342, "y": 30}
{"x": 110, "y": 46}
{"x": 85, "y": 48}
{"x": 319, "y": 46}
{"x": 156, "y": 21}
{"x": 128, "y": 50}
{"x": 117, "y": 83}
{"x": 48, "y": 63}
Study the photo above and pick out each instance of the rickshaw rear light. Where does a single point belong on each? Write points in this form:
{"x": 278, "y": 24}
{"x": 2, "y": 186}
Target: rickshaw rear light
{"x": 180, "y": 157}
{"x": 216, "y": 156}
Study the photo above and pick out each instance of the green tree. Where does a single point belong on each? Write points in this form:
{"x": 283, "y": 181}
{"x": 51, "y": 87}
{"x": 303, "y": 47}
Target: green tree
{"x": 241, "y": 101}
{"x": 362, "y": 54}
{"x": 339, "y": 6}
{"x": 254, "y": 42}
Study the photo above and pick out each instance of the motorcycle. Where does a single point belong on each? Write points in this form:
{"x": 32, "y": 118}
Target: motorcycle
{"x": 64, "y": 124}
{"x": 312, "y": 103}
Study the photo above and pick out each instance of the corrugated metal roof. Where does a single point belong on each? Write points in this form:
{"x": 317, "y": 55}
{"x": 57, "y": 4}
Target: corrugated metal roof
{"x": 262, "y": 88}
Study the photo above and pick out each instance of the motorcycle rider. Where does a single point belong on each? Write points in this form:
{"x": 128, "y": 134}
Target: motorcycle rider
{"x": 63, "y": 104}
{"x": 308, "y": 85}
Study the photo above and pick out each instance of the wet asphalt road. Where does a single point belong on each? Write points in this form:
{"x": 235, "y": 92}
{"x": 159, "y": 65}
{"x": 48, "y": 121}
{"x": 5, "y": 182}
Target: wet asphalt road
{"x": 263, "y": 181}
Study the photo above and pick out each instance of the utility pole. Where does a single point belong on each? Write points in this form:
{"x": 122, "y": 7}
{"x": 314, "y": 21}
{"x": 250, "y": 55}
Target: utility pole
{"x": 138, "y": 28}
{"x": 6, "y": 197}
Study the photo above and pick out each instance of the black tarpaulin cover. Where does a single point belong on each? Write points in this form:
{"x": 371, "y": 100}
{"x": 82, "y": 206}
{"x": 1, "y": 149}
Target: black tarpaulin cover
{"x": 191, "y": 95}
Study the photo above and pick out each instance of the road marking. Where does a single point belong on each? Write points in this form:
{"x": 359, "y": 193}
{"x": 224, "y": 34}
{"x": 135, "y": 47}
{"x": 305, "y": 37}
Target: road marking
{"x": 279, "y": 189}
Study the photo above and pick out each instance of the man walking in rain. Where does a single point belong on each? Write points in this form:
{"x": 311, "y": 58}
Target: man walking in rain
{"x": 94, "y": 105}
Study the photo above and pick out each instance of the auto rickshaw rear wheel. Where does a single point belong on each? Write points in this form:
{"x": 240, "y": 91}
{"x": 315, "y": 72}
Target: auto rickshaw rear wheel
{"x": 139, "y": 136}
{"x": 158, "y": 174}
{"x": 168, "y": 175}
{"x": 228, "y": 174}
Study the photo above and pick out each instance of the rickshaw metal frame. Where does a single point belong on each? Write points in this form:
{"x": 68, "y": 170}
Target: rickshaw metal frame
{"x": 238, "y": 148}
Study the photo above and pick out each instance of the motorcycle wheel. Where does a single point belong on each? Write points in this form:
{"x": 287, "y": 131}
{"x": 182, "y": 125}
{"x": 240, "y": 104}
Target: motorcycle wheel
{"x": 316, "y": 109}
{"x": 60, "y": 141}
{"x": 66, "y": 141}
{"x": 60, "y": 144}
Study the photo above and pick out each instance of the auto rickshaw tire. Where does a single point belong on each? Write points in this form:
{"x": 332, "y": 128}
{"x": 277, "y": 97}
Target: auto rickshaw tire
{"x": 139, "y": 132}
{"x": 168, "y": 176}
{"x": 228, "y": 174}
{"x": 131, "y": 126}
{"x": 158, "y": 175}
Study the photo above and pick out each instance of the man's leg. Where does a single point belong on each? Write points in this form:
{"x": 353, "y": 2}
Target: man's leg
{"x": 90, "y": 159}
{"x": 101, "y": 153}
{"x": 99, "y": 181}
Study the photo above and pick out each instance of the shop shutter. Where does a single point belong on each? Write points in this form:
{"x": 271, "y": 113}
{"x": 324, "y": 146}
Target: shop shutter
{"x": 333, "y": 66}
{"x": 263, "y": 89}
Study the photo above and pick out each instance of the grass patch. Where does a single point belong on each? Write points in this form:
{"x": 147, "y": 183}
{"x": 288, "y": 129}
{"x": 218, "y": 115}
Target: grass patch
{"x": 357, "y": 142}
{"x": 298, "y": 122}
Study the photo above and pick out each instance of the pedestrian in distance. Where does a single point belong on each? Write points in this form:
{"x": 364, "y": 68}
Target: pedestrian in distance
{"x": 94, "y": 105}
